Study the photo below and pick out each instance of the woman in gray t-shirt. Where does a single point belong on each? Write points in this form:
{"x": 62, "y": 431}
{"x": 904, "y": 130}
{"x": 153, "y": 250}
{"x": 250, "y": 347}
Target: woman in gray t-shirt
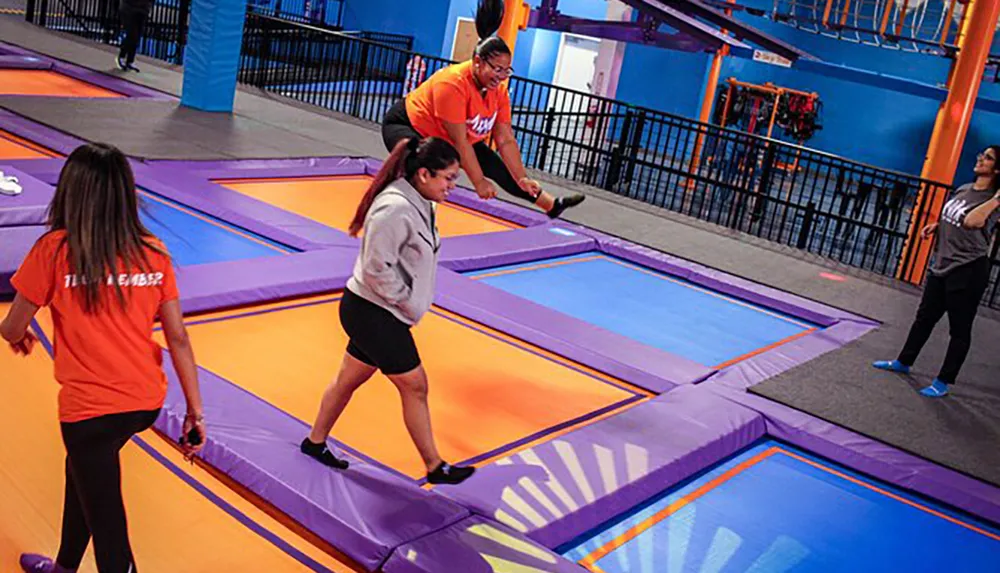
{"x": 960, "y": 273}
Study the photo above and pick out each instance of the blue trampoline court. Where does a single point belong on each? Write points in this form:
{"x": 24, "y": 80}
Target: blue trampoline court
{"x": 651, "y": 307}
{"x": 774, "y": 508}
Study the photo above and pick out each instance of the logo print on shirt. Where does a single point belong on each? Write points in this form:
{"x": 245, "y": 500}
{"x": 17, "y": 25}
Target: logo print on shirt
{"x": 955, "y": 211}
{"x": 481, "y": 126}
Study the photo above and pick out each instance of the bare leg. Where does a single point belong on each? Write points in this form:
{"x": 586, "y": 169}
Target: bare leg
{"x": 412, "y": 388}
{"x": 353, "y": 373}
{"x": 546, "y": 201}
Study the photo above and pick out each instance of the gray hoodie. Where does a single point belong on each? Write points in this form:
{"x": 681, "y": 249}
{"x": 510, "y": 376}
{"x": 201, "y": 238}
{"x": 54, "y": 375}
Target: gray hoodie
{"x": 397, "y": 266}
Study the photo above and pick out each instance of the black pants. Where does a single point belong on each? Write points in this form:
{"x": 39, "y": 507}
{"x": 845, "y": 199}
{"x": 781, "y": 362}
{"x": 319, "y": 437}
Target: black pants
{"x": 93, "y": 501}
{"x": 396, "y": 126}
{"x": 133, "y": 22}
{"x": 958, "y": 294}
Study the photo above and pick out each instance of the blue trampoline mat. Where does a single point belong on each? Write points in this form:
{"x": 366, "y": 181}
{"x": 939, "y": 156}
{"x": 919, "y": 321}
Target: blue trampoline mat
{"x": 195, "y": 238}
{"x": 774, "y": 508}
{"x": 648, "y": 306}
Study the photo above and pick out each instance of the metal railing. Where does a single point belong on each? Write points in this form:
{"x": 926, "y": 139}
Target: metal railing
{"x": 163, "y": 37}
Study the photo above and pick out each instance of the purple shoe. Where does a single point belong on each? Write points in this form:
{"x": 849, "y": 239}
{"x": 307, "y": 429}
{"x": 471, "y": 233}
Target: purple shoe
{"x": 33, "y": 563}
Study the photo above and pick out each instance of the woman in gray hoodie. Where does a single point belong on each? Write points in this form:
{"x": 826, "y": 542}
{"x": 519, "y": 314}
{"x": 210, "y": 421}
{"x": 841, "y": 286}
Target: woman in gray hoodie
{"x": 391, "y": 288}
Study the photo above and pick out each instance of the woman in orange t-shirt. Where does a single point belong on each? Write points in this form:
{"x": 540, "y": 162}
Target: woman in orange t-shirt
{"x": 106, "y": 279}
{"x": 466, "y": 103}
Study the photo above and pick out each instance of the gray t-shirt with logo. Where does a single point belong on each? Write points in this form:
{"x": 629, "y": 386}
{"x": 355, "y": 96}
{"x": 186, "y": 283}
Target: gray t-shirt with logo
{"x": 957, "y": 245}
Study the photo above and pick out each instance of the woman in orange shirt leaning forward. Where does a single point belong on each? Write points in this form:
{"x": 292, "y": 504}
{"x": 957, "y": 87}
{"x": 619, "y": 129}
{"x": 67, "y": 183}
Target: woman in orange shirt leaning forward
{"x": 466, "y": 103}
{"x": 106, "y": 279}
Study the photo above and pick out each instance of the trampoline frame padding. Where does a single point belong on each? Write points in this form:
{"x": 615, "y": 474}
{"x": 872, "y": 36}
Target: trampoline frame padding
{"x": 31, "y": 206}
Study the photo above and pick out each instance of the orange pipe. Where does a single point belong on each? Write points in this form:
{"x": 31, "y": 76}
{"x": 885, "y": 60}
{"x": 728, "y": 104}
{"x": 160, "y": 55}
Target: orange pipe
{"x": 826, "y": 12}
{"x": 844, "y": 11}
{"x": 515, "y": 18}
{"x": 902, "y": 16}
{"x": 947, "y": 25}
{"x": 885, "y": 18}
{"x": 951, "y": 128}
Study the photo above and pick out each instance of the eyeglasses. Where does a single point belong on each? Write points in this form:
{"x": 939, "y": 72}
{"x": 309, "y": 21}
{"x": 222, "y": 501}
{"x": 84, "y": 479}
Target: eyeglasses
{"x": 983, "y": 156}
{"x": 505, "y": 72}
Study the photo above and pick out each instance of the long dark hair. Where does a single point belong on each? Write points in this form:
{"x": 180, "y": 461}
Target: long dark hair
{"x": 995, "y": 182}
{"x": 489, "y": 16}
{"x": 95, "y": 203}
{"x": 408, "y": 157}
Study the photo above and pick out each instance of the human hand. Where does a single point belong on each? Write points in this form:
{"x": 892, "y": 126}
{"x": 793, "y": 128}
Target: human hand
{"x": 192, "y": 435}
{"x": 928, "y": 231}
{"x": 486, "y": 190}
{"x": 25, "y": 345}
{"x": 530, "y": 186}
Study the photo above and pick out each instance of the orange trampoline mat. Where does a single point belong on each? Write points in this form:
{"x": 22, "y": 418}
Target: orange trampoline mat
{"x": 13, "y": 147}
{"x": 172, "y": 526}
{"x": 486, "y": 391}
{"x": 49, "y": 83}
{"x": 332, "y": 201}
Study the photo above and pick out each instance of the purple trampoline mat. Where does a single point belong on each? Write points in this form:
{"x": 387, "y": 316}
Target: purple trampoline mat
{"x": 28, "y": 208}
{"x": 96, "y": 78}
{"x": 558, "y": 490}
{"x": 473, "y": 546}
{"x": 473, "y": 252}
{"x": 56, "y": 141}
{"x": 44, "y": 170}
{"x": 365, "y": 512}
{"x": 868, "y": 456}
{"x": 15, "y": 242}
{"x": 268, "y": 168}
{"x": 605, "y": 351}
{"x": 241, "y": 210}
{"x": 12, "y": 62}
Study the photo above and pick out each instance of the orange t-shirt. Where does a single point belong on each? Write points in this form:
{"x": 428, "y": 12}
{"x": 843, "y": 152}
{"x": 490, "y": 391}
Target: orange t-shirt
{"x": 106, "y": 362}
{"x": 451, "y": 96}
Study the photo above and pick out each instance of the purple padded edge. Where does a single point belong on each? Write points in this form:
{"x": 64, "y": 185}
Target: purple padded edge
{"x": 15, "y": 242}
{"x": 252, "y": 168}
{"x": 661, "y": 442}
{"x": 468, "y": 198}
{"x": 871, "y": 457}
{"x": 458, "y": 549}
{"x": 45, "y": 170}
{"x": 28, "y": 208}
{"x": 96, "y": 78}
{"x": 744, "y": 289}
{"x": 54, "y": 140}
{"x": 365, "y": 512}
{"x": 474, "y": 252}
{"x": 240, "y": 210}
{"x": 229, "y": 284}
{"x": 756, "y": 369}
{"x": 24, "y": 63}
{"x": 603, "y": 350}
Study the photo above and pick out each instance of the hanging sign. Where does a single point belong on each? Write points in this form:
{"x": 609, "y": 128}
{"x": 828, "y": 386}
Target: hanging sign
{"x": 771, "y": 58}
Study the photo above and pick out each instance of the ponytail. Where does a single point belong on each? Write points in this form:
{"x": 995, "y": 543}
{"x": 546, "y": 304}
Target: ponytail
{"x": 489, "y": 17}
{"x": 407, "y": 157}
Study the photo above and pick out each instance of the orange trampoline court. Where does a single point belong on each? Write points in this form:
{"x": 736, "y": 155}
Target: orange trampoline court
{"x": 332, "y": 200}
{"x": 49, "y": 83}
{"x": 14, "y": 147}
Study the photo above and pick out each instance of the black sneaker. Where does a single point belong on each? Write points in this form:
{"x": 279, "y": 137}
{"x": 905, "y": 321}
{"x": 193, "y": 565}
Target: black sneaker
{"x": 563, "y": 203}
{"x": 132, "y": 68}
{"x": 323, "y": 455}
{"x": 121, "y": 63}
{"x": 449, "y": 474}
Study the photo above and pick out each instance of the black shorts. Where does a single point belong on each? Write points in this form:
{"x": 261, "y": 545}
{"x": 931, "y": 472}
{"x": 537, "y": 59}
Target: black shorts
{"x": 396, "y": 126}
{"x": 377, "y": 338}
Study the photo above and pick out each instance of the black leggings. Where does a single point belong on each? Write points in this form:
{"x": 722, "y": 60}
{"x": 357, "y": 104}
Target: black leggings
{"x": 93, "y": 501}
{"x": 396, "y": 126}
{"x": 132, "y": 22}
{"x": 958, "y": 293}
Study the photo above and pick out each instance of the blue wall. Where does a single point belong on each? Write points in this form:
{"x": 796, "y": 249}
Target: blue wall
{"x": 424, "y": 20}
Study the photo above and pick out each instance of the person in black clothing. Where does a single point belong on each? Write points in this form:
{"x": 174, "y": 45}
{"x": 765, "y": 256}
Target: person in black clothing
{"x": 133, "y": 15}
{"x": 959, "y": 275}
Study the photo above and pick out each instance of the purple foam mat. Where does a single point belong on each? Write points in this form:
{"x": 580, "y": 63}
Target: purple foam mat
{"x": 24, "y": 63}
{"x": 616, "y": 355}
{"x": 15, "y": 242}
{"x": 44, "y": 170}
{"x": 230, "y": 284}
{"x": 474, "y": 545}
{"x": 474, "y": 252}
{"x": 108, "y": 82}
{"x": 269, "y": 168}
{"x": 556, "y": 491}
{"x": 756, "y": 369}
{"x": 869, "y": 456}
{"x": 365, "y": 512}
{"x": 241, "y": 210}
{"x": 719, "y": 281}
{"x": 28, "y": 208}
{"x": 56, "y": 141}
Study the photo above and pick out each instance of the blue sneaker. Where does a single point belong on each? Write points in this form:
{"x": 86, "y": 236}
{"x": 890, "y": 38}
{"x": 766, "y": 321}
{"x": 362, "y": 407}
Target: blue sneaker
{"x": 937, "y": 389}
{"x": 32, "y": 563}
{"x": 892, "y": 366}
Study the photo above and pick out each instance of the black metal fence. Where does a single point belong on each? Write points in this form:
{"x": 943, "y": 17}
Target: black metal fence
{"x": 836, "y": 208}
{"x": 164, "y": 36}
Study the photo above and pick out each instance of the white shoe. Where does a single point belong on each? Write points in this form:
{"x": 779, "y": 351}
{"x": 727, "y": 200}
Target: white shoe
{"x": 9, "y": 185}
